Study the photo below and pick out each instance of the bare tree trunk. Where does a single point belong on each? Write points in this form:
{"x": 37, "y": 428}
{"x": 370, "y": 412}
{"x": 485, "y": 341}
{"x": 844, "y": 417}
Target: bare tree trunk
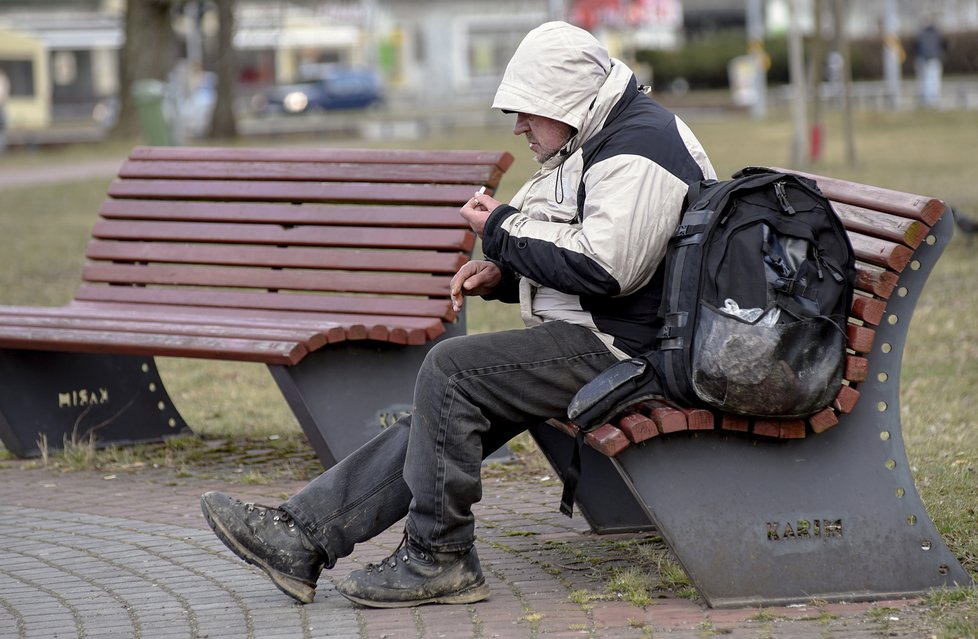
{"x": 149, "y": 52}
{"x": 223, "y": 123}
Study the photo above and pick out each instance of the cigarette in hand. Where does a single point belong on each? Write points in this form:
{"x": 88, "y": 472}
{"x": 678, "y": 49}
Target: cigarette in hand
{"x": 475, "y": 199}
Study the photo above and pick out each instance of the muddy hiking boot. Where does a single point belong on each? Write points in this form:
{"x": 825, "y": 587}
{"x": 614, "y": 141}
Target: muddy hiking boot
{"x": 413, "y": 576}
{"x": 266, "y": 537}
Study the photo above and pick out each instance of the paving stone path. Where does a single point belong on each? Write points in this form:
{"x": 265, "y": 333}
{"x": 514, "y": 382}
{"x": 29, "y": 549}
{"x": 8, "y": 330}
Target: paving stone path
{"x": 128, "y": 555}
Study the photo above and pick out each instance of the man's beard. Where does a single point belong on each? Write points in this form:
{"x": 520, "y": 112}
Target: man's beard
{"x": 545, "y": 155}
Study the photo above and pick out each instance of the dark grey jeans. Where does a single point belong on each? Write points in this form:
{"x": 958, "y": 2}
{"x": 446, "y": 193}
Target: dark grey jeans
{"x": 472, "y": 394}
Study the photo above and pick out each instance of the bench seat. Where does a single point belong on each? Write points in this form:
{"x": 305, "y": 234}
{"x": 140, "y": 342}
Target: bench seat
{"x": 323, "y": 264}
{"x": 765, "y": 512}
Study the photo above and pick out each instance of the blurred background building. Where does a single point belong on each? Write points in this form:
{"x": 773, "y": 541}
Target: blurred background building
{"x": 61, "y": 58}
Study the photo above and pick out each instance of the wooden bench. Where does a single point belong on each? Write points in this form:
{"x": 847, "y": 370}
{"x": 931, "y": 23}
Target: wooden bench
{"x": 775, "y": 512}
{"x": 331, "y": 266}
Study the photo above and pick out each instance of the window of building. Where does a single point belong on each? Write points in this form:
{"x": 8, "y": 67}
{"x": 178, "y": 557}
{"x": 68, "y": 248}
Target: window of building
{"x": 20, "y": 76}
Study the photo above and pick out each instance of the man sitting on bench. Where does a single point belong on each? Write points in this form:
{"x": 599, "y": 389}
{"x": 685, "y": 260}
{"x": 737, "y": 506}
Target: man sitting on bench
{"x": 579, "y": 247}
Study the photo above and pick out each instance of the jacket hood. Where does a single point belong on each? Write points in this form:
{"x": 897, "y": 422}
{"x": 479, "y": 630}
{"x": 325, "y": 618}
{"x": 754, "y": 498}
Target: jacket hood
{"x": 556, "y": 72}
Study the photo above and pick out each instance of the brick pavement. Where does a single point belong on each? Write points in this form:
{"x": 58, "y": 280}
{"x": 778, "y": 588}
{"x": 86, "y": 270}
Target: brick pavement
{"x": 128, "y": 554}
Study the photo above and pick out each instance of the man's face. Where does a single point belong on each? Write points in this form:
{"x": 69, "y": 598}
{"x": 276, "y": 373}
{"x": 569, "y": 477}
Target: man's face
{"x": 545, "y": 136}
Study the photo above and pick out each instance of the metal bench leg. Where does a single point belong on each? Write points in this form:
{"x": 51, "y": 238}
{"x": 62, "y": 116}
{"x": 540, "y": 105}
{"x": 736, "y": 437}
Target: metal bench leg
{"x": 120, "y": 399}
{"x": 834, "y": 516}
{"x": 347, "y": 393}
{"x": 601, "y": 496}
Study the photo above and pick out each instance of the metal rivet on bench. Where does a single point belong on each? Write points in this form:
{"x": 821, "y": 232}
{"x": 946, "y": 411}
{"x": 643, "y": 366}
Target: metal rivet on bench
{"x": 900, "y": 492}
{"x": 915, "y": 265}
{"x": 931, "y": 240}
{"x": 144, "y": 368}
{"x": 925, "y": 544}
{"x": 892, "y": 320}
{"x": 912, "y": 520}
{"x": 885, "y": 435}
{"x": 882, "y": 377}
{"x": 161, "y": 405}
{"x": 881, "y": 406}
{"x": 902, "y": 291}
{"x": 885, "y": 347}
{"x": 943, "y": 569}
{"x": 890, "y": 464}
{"x": 152, "y": 387}
{"x": 172, "y": 423}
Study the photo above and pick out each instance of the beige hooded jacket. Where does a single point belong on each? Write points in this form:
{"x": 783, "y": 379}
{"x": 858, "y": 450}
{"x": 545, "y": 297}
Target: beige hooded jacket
{"x": 584, "y": 237}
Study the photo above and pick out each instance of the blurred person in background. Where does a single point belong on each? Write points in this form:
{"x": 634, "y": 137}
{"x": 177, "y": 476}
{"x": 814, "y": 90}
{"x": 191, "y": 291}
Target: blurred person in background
{"x": 929, "y": 49}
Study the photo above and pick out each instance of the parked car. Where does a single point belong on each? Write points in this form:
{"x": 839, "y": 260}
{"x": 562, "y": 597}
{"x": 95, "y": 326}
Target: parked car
{"x": 335, "y": 89}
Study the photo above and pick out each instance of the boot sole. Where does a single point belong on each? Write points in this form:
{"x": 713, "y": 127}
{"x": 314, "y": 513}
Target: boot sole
{"x": 293, "y": 587}
{"x": 472, "y": 594}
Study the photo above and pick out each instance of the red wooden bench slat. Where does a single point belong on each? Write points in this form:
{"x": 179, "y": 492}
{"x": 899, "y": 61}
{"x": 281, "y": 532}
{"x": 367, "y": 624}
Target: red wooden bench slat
{"x": 471, "y": 174}
{"x": 868, "y": 309}
{"x": 846, "y": 399}
{"x": 823, "y": 420}
{"x": 565, "y": 427}
{"x": 792, "y": 429}
{"x": 880, "y": 252}
{"x": 875, "y": 280}
{"x": 860, "y": 338}
{"x": 335, "y": 236}
{"x": 667, "y": 418}
{"x": 286, "y": 213}
{"x": 281, "y": 191}
{"x": 427, "y": 327}
{"x": 502, "y": 159}
{"x": 766, "y": 428}
{"x": 78, "y": 340}
{"x": 269, "y": 301}
{"x": 312, "y": 340}
{"x": 918, "y": 207}
{"x": 856, "y": 369}
{"x": 607, "y": 439}
{"x": 894, "y": 228}
{"x": 696, "y": 418}
{"x": 423, "y": 261}
{"x": 637, "y": 427}
{"x": 382, "y": 284}
{"x": 736, "y": 423}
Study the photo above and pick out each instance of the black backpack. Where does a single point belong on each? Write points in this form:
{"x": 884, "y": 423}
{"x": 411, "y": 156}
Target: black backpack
{"x": 759, "y": 280}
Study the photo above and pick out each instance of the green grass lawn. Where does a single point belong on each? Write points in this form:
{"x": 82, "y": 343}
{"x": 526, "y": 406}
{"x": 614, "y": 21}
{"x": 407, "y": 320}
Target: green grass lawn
{"x": 46, "y": 228}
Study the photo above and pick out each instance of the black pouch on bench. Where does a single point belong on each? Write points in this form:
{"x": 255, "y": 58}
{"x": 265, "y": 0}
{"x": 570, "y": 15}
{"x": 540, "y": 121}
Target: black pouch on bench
{"x": 618, "y": 386}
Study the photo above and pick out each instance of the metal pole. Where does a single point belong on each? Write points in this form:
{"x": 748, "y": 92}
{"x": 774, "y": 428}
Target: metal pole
{"x": 842, "y": 46}
{"x": 891, "y": 54}
{"x": 755, "y": 45}
{"x": 817, "y": 63}
{"x": 796, "y": 69}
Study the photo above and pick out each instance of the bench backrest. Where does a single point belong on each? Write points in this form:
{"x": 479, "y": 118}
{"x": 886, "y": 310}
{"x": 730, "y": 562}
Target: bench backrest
{"x": 885, "y": 228}
{"x": 353, "y": 233}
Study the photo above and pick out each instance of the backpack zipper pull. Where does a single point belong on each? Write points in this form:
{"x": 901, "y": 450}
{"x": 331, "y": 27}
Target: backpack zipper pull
{"x": 817, "y": 258}
{"x": 779, "y": 190}
{"x": 728, "y": 213}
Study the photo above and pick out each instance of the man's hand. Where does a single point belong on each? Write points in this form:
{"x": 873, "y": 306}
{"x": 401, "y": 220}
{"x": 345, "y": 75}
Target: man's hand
{"x": 476, "y": 211}
{"x": 477, "y": 277}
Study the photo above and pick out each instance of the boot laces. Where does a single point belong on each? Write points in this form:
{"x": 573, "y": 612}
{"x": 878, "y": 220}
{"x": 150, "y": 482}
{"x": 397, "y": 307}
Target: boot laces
{"x": 400, "y": 554}
{"x": 280, "y": 516}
